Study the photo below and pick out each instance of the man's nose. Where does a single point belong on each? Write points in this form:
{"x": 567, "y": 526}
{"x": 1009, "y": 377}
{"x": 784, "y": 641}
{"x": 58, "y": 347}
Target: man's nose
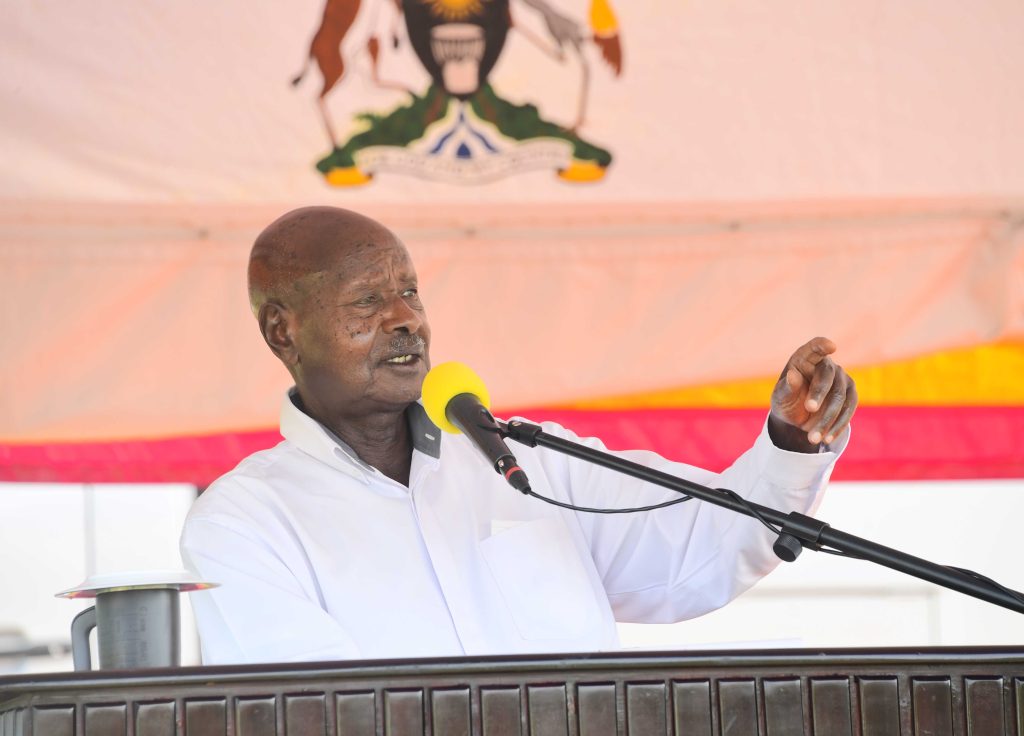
{"x": 400, "y": 316}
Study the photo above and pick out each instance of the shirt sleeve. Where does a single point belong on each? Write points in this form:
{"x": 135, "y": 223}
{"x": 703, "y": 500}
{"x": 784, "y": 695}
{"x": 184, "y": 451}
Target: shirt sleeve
{"x": 685, "y": 560}
{"x": 262, "y": 611}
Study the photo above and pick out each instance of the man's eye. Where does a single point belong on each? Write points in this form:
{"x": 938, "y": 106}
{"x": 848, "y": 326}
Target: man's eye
{"x": 414, "y": 292}
{"x": 367, "y": 301}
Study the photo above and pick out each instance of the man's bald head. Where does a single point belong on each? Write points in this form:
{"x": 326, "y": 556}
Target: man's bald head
{"x": 304, "y": 242}
{"x": 337, "y": 300}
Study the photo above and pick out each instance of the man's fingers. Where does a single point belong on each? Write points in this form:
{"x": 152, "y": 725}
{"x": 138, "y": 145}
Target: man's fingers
{"x": 810, "y": 354}
{"x": 843, "y": 421}
{"x": 794, "y": 380}
{"x": 821, "y": 383}
{"x": 823, "y": 421}
{"x": 789, "y": 388}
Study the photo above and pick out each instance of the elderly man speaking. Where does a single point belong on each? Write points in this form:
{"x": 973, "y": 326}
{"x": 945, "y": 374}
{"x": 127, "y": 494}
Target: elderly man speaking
{"x": 368, "y": 534}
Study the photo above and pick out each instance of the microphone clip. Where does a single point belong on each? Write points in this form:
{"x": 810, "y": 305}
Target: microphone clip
{"x": 522, "y": 432}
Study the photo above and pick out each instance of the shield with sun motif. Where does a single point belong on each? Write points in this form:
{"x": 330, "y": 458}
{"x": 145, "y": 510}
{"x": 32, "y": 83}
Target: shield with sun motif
{"x": 460, "y": 128}
{"x": 457, "y": 41}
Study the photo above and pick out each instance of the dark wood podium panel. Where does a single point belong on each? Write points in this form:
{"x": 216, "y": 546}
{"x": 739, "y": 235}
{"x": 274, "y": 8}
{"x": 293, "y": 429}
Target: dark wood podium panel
{"x": 927, "y": 692}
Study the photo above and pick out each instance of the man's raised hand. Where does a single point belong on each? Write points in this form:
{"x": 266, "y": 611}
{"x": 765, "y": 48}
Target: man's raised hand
{"x": 813, "y": 400}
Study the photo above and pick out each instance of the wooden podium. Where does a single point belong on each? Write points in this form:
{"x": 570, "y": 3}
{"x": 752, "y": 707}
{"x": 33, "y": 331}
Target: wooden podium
{"x": 934, "y": 692}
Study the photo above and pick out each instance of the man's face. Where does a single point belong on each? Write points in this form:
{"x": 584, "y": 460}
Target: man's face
{"x": 362, "y": 334}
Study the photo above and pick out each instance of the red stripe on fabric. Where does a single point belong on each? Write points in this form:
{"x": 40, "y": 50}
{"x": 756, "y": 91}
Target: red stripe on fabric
{"x": 889, "y": 443}
{"x": 198, "y": 460}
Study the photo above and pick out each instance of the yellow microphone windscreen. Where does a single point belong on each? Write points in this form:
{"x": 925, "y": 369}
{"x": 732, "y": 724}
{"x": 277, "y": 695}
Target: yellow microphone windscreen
{"x": 443, "y": 383}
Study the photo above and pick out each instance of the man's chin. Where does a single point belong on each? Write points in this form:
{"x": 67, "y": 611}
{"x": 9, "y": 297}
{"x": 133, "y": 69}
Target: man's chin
{"x": 404, "y": 384}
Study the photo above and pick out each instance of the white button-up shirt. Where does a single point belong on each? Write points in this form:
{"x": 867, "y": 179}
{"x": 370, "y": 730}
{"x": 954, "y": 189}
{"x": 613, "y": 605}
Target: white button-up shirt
{"x": 322, "y": 557}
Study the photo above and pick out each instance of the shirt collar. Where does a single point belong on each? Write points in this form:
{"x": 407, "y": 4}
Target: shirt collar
{"x": 426, "y": 436}
{"x": 317, "y": 440}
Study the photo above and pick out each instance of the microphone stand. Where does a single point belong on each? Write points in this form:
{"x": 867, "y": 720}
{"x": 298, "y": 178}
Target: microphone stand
{"x": 797, "y": 530}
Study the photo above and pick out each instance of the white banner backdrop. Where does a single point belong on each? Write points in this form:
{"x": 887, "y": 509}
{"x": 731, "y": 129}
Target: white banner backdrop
{"x": 192, "y": 100}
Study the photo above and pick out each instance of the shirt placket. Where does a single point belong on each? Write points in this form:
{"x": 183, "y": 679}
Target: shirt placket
{"x": 448, "y": 569}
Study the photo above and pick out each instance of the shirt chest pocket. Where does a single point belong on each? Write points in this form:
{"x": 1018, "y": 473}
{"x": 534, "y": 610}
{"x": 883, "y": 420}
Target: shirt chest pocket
{"x": 543, "y": 582}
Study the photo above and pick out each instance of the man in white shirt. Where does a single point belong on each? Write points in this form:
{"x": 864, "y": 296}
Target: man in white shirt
{"x": 368, "y": 534}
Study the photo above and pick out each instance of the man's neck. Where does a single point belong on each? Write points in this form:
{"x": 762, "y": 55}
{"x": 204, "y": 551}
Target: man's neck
{"x": 381, "y": 440}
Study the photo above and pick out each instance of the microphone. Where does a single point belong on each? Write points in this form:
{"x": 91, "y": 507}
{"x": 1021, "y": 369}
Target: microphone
{"x": 457, "y": 401}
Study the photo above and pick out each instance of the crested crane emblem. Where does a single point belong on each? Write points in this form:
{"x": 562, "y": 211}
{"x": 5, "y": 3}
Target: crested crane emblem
{"x": 456, "y": 126}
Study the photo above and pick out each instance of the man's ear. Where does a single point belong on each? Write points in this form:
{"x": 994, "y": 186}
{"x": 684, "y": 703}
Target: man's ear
{"x": 277, "y": 326}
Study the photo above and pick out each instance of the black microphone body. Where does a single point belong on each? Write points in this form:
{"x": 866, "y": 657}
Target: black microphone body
{"x": 468, "y": 413}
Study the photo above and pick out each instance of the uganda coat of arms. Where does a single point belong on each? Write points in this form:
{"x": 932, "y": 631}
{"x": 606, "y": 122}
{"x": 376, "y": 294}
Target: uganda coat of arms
{"x": 459, "y": 128}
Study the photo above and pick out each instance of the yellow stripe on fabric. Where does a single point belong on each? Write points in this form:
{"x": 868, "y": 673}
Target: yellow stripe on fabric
{"x": 986, "y": 375}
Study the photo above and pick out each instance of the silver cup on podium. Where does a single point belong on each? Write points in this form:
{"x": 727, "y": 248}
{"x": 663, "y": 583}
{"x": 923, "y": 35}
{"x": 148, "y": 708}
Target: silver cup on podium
{"x": 137, "y": 618}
